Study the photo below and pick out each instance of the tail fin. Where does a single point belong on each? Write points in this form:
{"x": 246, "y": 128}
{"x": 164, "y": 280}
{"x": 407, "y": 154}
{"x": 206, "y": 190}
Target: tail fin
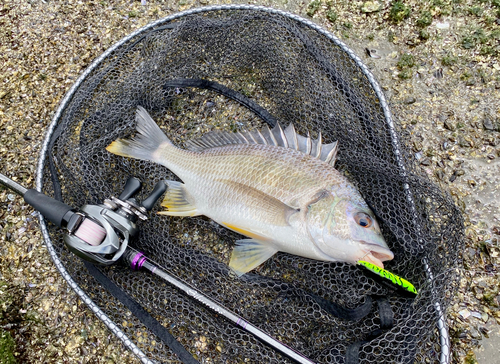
{"x": 145, "y": 144}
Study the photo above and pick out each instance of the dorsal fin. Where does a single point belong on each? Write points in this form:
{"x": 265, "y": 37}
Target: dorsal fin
{"x": 329, "y": 153}
{"x": 291, "y": 137}
{"x": 279, "y": 135}
{"x": 257, "y": 137}
{"x": 316, "y": 147}
{"x": 276, "y": 136}
{"x": 269, "y": 136}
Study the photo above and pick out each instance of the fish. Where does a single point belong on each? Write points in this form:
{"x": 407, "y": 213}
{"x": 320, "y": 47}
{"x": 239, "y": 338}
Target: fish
{"x": 277, "y": 188}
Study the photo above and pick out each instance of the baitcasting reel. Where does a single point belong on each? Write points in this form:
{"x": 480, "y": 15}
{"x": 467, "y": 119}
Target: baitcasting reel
{"x": 97, "y": 233}
{"x": 101, "y": 233}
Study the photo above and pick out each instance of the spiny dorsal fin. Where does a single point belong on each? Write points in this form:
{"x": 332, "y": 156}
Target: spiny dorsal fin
{"x": 291, "y": 137}
{"x": 316, "y": 147}
{"x": 329, "y": 153}
{"x": 287, "y": 138}
{"x": 257, "y": 137}
{"x": 280, "y": 136}
{"x": 269, "y": 136}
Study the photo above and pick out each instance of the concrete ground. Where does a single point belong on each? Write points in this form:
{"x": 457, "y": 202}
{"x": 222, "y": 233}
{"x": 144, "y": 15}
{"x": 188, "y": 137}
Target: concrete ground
{"x": 448, "y": 100}
{"x": 489, "y": 353}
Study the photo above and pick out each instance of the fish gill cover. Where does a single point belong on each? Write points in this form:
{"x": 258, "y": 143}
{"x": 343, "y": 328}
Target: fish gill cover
{"x": 246, "y": 67}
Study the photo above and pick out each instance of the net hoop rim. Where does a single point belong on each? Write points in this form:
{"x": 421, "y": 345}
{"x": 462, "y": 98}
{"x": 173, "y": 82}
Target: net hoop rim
{"x": 442, "y": 327}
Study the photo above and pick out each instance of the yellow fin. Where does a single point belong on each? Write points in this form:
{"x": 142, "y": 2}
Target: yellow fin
{"x": 115, "y": 147}
{"x": 177, "y": 201}
{"x": 244, "y": 231}
{"x": 250, "y": 253}
{"x": 148, "y": 140}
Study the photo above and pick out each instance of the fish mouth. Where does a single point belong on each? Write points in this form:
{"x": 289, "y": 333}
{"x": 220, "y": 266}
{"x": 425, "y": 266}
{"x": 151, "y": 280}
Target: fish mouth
{"x": 377, "y": 254}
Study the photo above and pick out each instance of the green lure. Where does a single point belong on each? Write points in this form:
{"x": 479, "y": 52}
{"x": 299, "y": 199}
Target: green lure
{"x": 401, "y": 284}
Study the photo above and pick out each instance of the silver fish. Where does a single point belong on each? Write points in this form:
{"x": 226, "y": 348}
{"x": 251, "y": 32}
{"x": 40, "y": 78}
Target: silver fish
{"x": 276, "y": 187}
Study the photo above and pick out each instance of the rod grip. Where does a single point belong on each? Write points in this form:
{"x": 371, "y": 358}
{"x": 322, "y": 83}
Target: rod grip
{"x": 55, "y": 211}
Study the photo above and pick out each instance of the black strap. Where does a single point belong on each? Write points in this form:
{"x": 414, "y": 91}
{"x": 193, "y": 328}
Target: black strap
{"x": 386, "y": 322}
{"x": 139, "y": 312}
{"x": 385, "y": 313}
{"x": 353, "y": 314}
{"x": 352, "y": 352}
{"x": 225, "y": 91}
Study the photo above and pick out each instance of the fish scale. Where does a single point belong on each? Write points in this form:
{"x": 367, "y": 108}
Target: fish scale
{"x": 275, "y": 176}
{"x": 276, "y": 187}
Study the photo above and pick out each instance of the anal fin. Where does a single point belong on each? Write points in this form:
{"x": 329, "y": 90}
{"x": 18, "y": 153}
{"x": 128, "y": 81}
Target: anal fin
{"x": 250, "y": 253}
{"x": 177, "y": 201}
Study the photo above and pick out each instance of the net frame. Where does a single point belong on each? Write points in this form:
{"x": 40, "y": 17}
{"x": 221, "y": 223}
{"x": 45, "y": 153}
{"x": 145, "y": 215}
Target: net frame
{"x": 441, "y": 323}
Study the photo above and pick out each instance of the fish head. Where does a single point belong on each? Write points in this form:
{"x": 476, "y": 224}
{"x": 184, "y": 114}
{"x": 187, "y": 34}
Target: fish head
{"x": 346, "y": 230}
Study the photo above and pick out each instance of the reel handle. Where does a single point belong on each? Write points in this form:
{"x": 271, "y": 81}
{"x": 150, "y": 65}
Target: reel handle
{"x": 157, "y": 192}
{"x": 106, "y": 230}
{"x": 131, "y": 188}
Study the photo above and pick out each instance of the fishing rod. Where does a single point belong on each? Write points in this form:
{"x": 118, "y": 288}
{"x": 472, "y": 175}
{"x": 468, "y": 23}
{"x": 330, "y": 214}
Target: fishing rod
{"x": 138, "y": 260}
{"x": 101, "y": 234}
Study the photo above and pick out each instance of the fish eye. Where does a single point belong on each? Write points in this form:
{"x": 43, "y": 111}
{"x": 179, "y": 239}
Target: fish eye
{"x": 363, "y": 219}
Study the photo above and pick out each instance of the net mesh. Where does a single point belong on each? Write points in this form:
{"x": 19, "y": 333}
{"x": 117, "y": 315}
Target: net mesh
{"x": 299, "y": 76}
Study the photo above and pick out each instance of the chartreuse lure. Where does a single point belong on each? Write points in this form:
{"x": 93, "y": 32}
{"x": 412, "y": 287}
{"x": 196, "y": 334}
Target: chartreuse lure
{"x": 401, "y": 284}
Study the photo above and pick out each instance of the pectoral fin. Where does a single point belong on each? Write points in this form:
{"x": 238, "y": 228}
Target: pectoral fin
{"x": 178, "y": 201}
{"x": 267, "y": 209}
{"x": 250, "y": 253}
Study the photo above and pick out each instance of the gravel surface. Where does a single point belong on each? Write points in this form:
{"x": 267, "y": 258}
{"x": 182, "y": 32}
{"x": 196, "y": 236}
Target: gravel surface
{"x": 437, "y": 62}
